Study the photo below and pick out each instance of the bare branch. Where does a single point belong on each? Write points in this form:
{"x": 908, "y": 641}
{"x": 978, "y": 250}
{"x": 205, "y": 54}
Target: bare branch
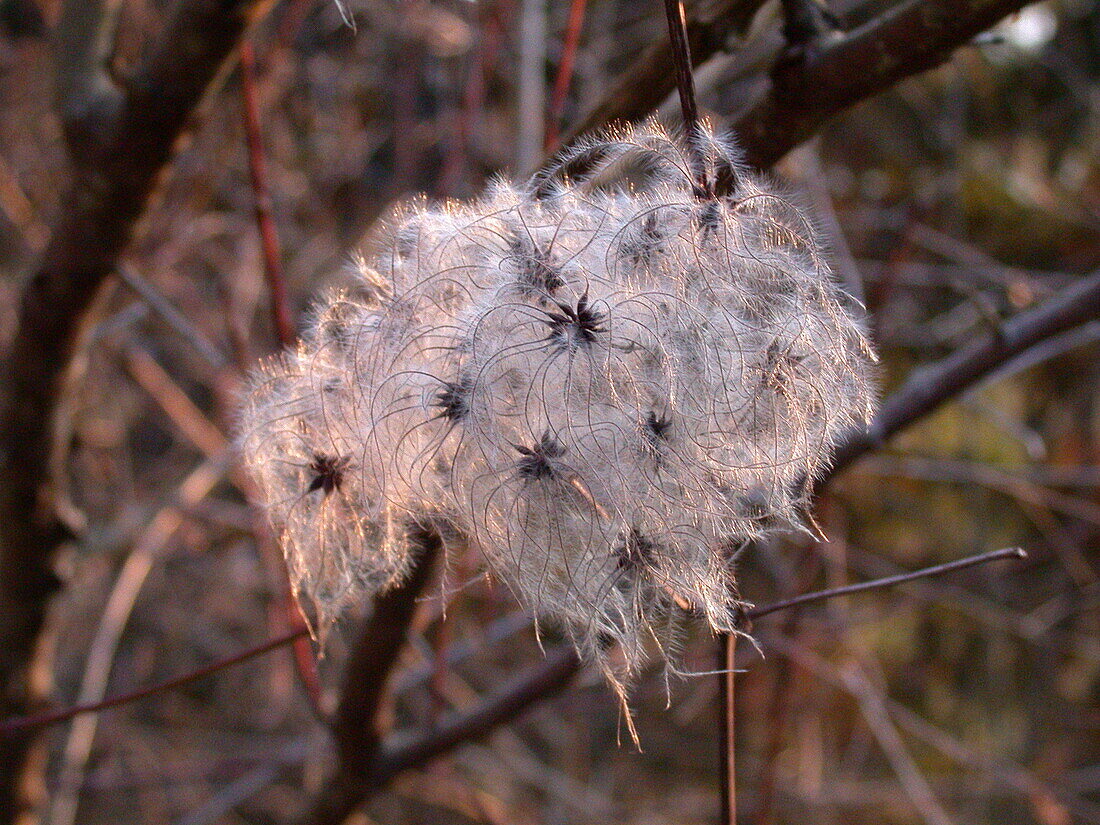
{"x": 1006, "y": 773}
{"x": 366, "y": 676}
{"x": 872, "y": 705}
{"x": 889, "y": 581}
{"x": 19, "y": 724}
{"x": 837, "y": 72}
{"x": 551, "y": 675}
{"x": 257, "y": 169}
{"x": 931, "y": 386}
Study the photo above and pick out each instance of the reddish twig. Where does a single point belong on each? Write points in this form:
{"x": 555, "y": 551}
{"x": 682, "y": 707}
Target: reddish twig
{"x": 565, "y": 73}
{"x": 305, "y": 662}
{"x": 257, "y": 169}
{"x": 21, "y": 724}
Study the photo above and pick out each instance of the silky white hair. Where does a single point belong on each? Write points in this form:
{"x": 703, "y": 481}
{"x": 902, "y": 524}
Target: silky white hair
{"x": 606, "y": 381}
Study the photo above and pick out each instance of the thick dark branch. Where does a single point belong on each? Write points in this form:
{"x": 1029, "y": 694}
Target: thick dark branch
{"x": 366, "y": 675}
{"x": 548, "y": 677}
{"x": 347, "y": 791}
{"x": 839, "y": 72}
{"x": 355, "y": 725}
{"x": 652, "y": 77}
{"x": 108, "y": 193}
{"x": 931, "y": 386}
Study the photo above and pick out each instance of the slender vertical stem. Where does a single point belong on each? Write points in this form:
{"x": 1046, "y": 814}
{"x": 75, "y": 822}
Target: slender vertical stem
{"x": 727, "y": 644}
{"x": 257, "y": 167}
{"x": 685, "y": 84}
{"x": 305, "y": 663}
{"x": 681, "y": 58}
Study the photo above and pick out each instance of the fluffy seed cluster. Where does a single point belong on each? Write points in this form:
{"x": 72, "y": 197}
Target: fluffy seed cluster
{"x": 605, "y": 382}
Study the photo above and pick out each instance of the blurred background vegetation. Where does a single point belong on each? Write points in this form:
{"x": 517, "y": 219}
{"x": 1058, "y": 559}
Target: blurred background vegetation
{"x": 954, "y": 200}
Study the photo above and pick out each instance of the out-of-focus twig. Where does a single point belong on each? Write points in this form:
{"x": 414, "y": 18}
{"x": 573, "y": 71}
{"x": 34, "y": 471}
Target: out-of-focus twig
{"x": 112, "y": 623}
{"x": 1007, "y": 774}
{"x": 873, "y": 707}
{"x": 305, "y": 663}
{"x": 18, "y": 209}
{"x": 469, "y": 112}
{"x": 531, "y": 118}
{"x": 565, "y": 73}
{"x": 187, "y": 331}
{"x": 929, "y": 387}
{"x": 180, "y": 409}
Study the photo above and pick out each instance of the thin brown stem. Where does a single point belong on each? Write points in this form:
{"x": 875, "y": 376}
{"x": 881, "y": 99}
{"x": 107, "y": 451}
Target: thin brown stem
{"x": 21, "y": 724}
{"x": 681, "y": 59}
{"x": 727, "y": 647}
{"x": 650, "y": 79}
{"x": 685, "y": 85}
{"x": 889, "y": 581}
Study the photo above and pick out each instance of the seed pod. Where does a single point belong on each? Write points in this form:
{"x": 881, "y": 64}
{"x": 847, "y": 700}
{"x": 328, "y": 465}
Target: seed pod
{"x": 604, "y": 386}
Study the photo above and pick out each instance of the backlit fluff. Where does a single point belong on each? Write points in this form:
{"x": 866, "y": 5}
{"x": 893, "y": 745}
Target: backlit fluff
{"x": 606, "y": 387}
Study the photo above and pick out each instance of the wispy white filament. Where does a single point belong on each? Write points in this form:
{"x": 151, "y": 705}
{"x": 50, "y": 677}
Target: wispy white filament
{"x": 606, "y": 384}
